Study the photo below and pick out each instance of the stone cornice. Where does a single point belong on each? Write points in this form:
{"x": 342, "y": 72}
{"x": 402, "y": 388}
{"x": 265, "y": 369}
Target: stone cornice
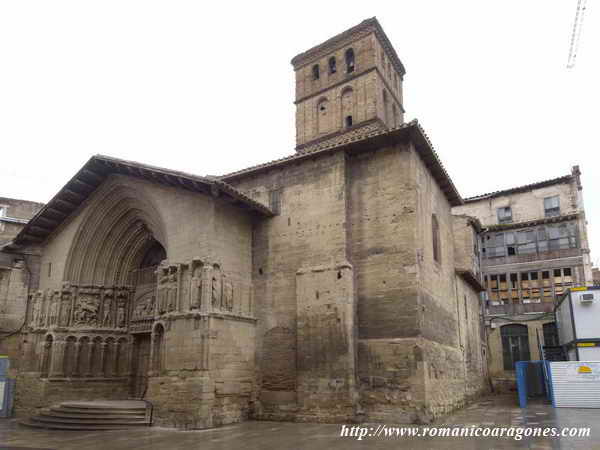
{"x": 532, "y": 223}
{"x": 352, "y": 34}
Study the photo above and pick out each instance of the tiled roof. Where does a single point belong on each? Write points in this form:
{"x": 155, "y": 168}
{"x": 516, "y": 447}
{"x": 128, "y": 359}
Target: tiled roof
{"x": 525, "y": 188}
{"x": 375, "y": 139}
{"x": 98, "y": 168}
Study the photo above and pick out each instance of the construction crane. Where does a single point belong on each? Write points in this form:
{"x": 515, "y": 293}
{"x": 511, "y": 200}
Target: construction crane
{"x": 575, "y": 35}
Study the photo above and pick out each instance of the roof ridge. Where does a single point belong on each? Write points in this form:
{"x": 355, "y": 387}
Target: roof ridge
{"x": 524, "y": 187}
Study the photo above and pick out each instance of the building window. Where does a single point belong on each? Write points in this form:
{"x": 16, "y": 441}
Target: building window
{"x": 349, "y": 60}
{"x": 2, "y": 211}
{"x": 394, "y": 115}
{"x": 315, "y": 72}
{"x": 515, "y": 345}
{"x": 49, "y": 269}
{"x": 504, "y": 214}
{"x": 435, "y": 233}
{"x": 550, "y": 334}
{"x": 552, "y": 206}
{"x": 528, "y": 287}
{"x": 332, "y": 65}
{"x": 275, "y": 200}
{"x": 531, "y": 241}
{"x": 348, "y": 121}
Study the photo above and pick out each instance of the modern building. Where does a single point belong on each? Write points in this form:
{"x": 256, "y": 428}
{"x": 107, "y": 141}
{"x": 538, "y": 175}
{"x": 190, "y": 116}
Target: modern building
{"x": 333, "y": 284}
{"x": 534, "y": 246}
{"x": 14, "y": 214}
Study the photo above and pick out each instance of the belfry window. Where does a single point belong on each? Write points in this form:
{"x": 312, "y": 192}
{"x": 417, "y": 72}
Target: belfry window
{"x": 315, "y": 72}
{"x": 349, "y": 60}
{"x": 332, "y": 65}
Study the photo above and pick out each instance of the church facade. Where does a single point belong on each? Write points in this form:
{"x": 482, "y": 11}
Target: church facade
{"x": 334, "y": 284}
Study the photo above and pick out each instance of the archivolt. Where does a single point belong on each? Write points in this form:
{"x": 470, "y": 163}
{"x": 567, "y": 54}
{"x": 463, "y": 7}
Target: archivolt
{"x": 120, "y": 226}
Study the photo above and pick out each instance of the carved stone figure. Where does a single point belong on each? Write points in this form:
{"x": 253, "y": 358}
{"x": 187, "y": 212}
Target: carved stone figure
{"x": 227, "y": 294}
{"x": 196, "y": 288}
{"x": 65, "y": 313}
{"x": 121, "y": 316}
{"x": 37, "y": 310}
{"x": 216, "y": 293}
{"x": 54, "y": 304}
{"x": 106, "y": 322}
{"x": 86, "y": 310}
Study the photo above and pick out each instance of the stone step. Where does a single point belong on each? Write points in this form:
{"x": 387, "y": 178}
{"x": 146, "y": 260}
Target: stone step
{"x": 98, "y": 411}
{"x": 71, "y": 415}
{"x": 80, "y": 427}
{"x": 96, "y": 415}
{"x": 90, "y": 417}
{"x": 49, "y": 419}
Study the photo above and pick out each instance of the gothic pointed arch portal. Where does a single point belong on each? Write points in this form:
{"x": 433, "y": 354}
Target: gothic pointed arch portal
{"x": 119, "y": 230}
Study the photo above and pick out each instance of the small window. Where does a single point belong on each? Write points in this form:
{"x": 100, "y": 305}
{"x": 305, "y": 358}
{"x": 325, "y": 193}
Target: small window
{"x": 348, "y": 121}
{"x": 49, "y": 269}
{"x": 332, "y": 65}
{"x": 315, "y": 72}
{"x": 552, "y": 206}
{"x": 435, "y": 231}
{"x": 2, "y": 211}
{"x": 275, "y": 200}
{"x": 349, "y": 60}
{"x": 504, "y": 214}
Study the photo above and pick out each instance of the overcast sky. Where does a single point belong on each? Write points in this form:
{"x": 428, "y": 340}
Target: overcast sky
{"x": 207, "y": 87}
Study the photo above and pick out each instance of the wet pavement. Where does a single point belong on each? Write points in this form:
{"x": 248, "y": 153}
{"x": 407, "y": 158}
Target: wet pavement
{"x": 489, "y": 412}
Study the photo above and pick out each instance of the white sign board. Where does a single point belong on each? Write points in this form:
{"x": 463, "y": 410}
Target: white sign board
{"x": 584, "y": 371}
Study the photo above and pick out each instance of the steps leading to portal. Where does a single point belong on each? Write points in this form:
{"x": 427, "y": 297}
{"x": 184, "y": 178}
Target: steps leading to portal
{"x": 99, "y": 415}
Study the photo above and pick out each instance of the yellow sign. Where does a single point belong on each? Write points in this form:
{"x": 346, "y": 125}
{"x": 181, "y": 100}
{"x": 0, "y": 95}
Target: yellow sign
{"x": 586, "y": 344}
{"x": 584, "y": 369}
{"x": 583, "y": 288}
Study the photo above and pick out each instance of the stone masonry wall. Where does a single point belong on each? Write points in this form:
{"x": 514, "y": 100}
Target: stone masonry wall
{"x": 443, "y": 296}
{"x": 309, "y": 231}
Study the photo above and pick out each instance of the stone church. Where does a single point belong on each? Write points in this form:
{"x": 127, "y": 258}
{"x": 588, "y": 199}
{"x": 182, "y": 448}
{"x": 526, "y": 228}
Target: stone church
{"x": 333, "y": 284}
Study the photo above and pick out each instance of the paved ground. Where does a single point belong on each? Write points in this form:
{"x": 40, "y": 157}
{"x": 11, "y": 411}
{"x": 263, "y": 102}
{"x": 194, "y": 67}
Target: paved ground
{"x": 492, "y": 411}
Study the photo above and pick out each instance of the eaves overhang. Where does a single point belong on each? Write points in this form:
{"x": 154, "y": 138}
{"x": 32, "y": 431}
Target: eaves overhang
{"x": 98, "y": 168}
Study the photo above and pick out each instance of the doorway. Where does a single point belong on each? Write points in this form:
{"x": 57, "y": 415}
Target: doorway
{"x": 141, "y": 364}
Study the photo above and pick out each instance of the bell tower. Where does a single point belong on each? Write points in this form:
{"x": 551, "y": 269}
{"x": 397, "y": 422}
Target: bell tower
{"x": 349, "y": 85}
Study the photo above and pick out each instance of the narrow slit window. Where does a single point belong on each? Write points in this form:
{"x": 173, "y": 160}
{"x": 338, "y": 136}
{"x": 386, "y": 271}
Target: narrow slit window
{"x": 435, "y": 231}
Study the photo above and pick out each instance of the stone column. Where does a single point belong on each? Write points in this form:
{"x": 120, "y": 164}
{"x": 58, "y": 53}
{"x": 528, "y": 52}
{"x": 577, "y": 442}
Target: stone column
{"x": 114, "y": 363}
{"x": 90, "y": 361}
{"x": 130, "y": 348}
{"x": 102, "y": 357}
{"x": 57, "y": 361}
{"x": 75, "y": 372}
